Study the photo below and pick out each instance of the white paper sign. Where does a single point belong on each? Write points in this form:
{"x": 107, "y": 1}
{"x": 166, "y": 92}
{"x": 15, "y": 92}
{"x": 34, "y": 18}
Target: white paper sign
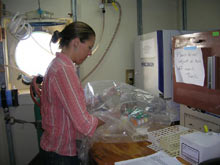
{"x": 189, "y": 67}
{"x": 148, "y": 48}
{"x": 159, "y": 158}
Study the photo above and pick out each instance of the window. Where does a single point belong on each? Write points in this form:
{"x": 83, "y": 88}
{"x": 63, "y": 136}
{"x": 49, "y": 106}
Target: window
{"x": 34, "y": 54}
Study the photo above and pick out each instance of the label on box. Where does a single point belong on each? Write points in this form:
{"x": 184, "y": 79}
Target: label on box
{"x": 190, "y": 153}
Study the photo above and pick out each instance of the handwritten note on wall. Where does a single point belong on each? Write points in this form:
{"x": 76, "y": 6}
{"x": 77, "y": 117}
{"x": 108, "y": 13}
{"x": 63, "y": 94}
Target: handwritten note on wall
{"x": 189, "y": 67}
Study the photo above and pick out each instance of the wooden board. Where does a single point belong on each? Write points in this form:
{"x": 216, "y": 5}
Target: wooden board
{"x": 109, "y": 153}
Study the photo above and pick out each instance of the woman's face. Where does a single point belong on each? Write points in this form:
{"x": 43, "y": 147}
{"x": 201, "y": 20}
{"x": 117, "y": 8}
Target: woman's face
{"x": 84, "y": 50}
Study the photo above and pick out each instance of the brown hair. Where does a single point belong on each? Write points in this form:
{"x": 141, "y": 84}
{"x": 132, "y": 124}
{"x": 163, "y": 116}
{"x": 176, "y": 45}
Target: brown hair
{"x": 73, "y": 30}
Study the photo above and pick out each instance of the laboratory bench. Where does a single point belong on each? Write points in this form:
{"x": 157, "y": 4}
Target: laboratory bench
{"x": 109, "y": 153}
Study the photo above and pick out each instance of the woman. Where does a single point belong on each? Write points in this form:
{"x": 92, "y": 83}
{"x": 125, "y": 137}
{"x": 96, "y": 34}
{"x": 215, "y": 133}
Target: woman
{"x": 63, "y": 106}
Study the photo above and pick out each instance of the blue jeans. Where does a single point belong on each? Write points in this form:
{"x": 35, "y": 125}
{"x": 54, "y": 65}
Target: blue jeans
{"x": 52, "y": 158}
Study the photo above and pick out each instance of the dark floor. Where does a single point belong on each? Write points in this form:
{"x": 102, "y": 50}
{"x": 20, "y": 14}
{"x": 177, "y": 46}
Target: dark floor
{"x": 36, "y": 160}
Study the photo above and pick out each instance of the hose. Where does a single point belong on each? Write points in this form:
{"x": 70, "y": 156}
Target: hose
{"x": 35, "y": 90}
{"x": 19, "y": 28}
{"x": 109, "y": 45}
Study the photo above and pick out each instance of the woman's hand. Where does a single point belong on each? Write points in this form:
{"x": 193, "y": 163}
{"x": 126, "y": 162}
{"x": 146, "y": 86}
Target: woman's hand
{"x": 100, "y": 123}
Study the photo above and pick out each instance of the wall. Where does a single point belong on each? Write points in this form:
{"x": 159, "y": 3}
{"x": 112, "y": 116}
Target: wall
{"x": 120, "y": 55}
{"x": 203, "y": 15}
{"x": 24, "y": 135}
{"x": 59, "y": 8}
{"x": 4, "y": 157}
{"x": 161, "y": 14}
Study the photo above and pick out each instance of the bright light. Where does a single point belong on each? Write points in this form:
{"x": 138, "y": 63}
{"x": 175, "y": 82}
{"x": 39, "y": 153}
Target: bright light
{"x": 33, "y": 55}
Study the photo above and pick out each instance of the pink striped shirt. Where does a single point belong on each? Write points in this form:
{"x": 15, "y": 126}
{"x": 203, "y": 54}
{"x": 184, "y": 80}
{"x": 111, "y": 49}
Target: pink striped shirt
{"x": 63, "y": 108}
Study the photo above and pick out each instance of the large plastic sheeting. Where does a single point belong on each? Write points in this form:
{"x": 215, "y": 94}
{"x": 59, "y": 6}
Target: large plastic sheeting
{"x": 128, "y": 113}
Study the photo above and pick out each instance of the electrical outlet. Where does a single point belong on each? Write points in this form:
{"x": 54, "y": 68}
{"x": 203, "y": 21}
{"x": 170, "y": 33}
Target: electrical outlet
{"x": 130, "y": 76}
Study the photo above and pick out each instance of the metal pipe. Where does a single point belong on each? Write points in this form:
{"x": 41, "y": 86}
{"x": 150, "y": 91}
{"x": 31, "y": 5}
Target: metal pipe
{"x": 184, "y": 14}
{"x": 139, "y": 17}
{"x": 74, "y": 9}
{"x": 9, "y": 138}
{"x": 10, "y": 144}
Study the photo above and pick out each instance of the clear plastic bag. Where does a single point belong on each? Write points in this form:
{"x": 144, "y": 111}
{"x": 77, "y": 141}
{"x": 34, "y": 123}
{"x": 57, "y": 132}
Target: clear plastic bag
{"x": 127, "y": 112}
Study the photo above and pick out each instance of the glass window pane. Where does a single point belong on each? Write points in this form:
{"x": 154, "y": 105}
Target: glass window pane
{"x": 34, "y": 54}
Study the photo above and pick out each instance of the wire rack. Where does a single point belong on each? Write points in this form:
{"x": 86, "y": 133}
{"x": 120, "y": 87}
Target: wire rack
{"x": 168, "y": 139}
